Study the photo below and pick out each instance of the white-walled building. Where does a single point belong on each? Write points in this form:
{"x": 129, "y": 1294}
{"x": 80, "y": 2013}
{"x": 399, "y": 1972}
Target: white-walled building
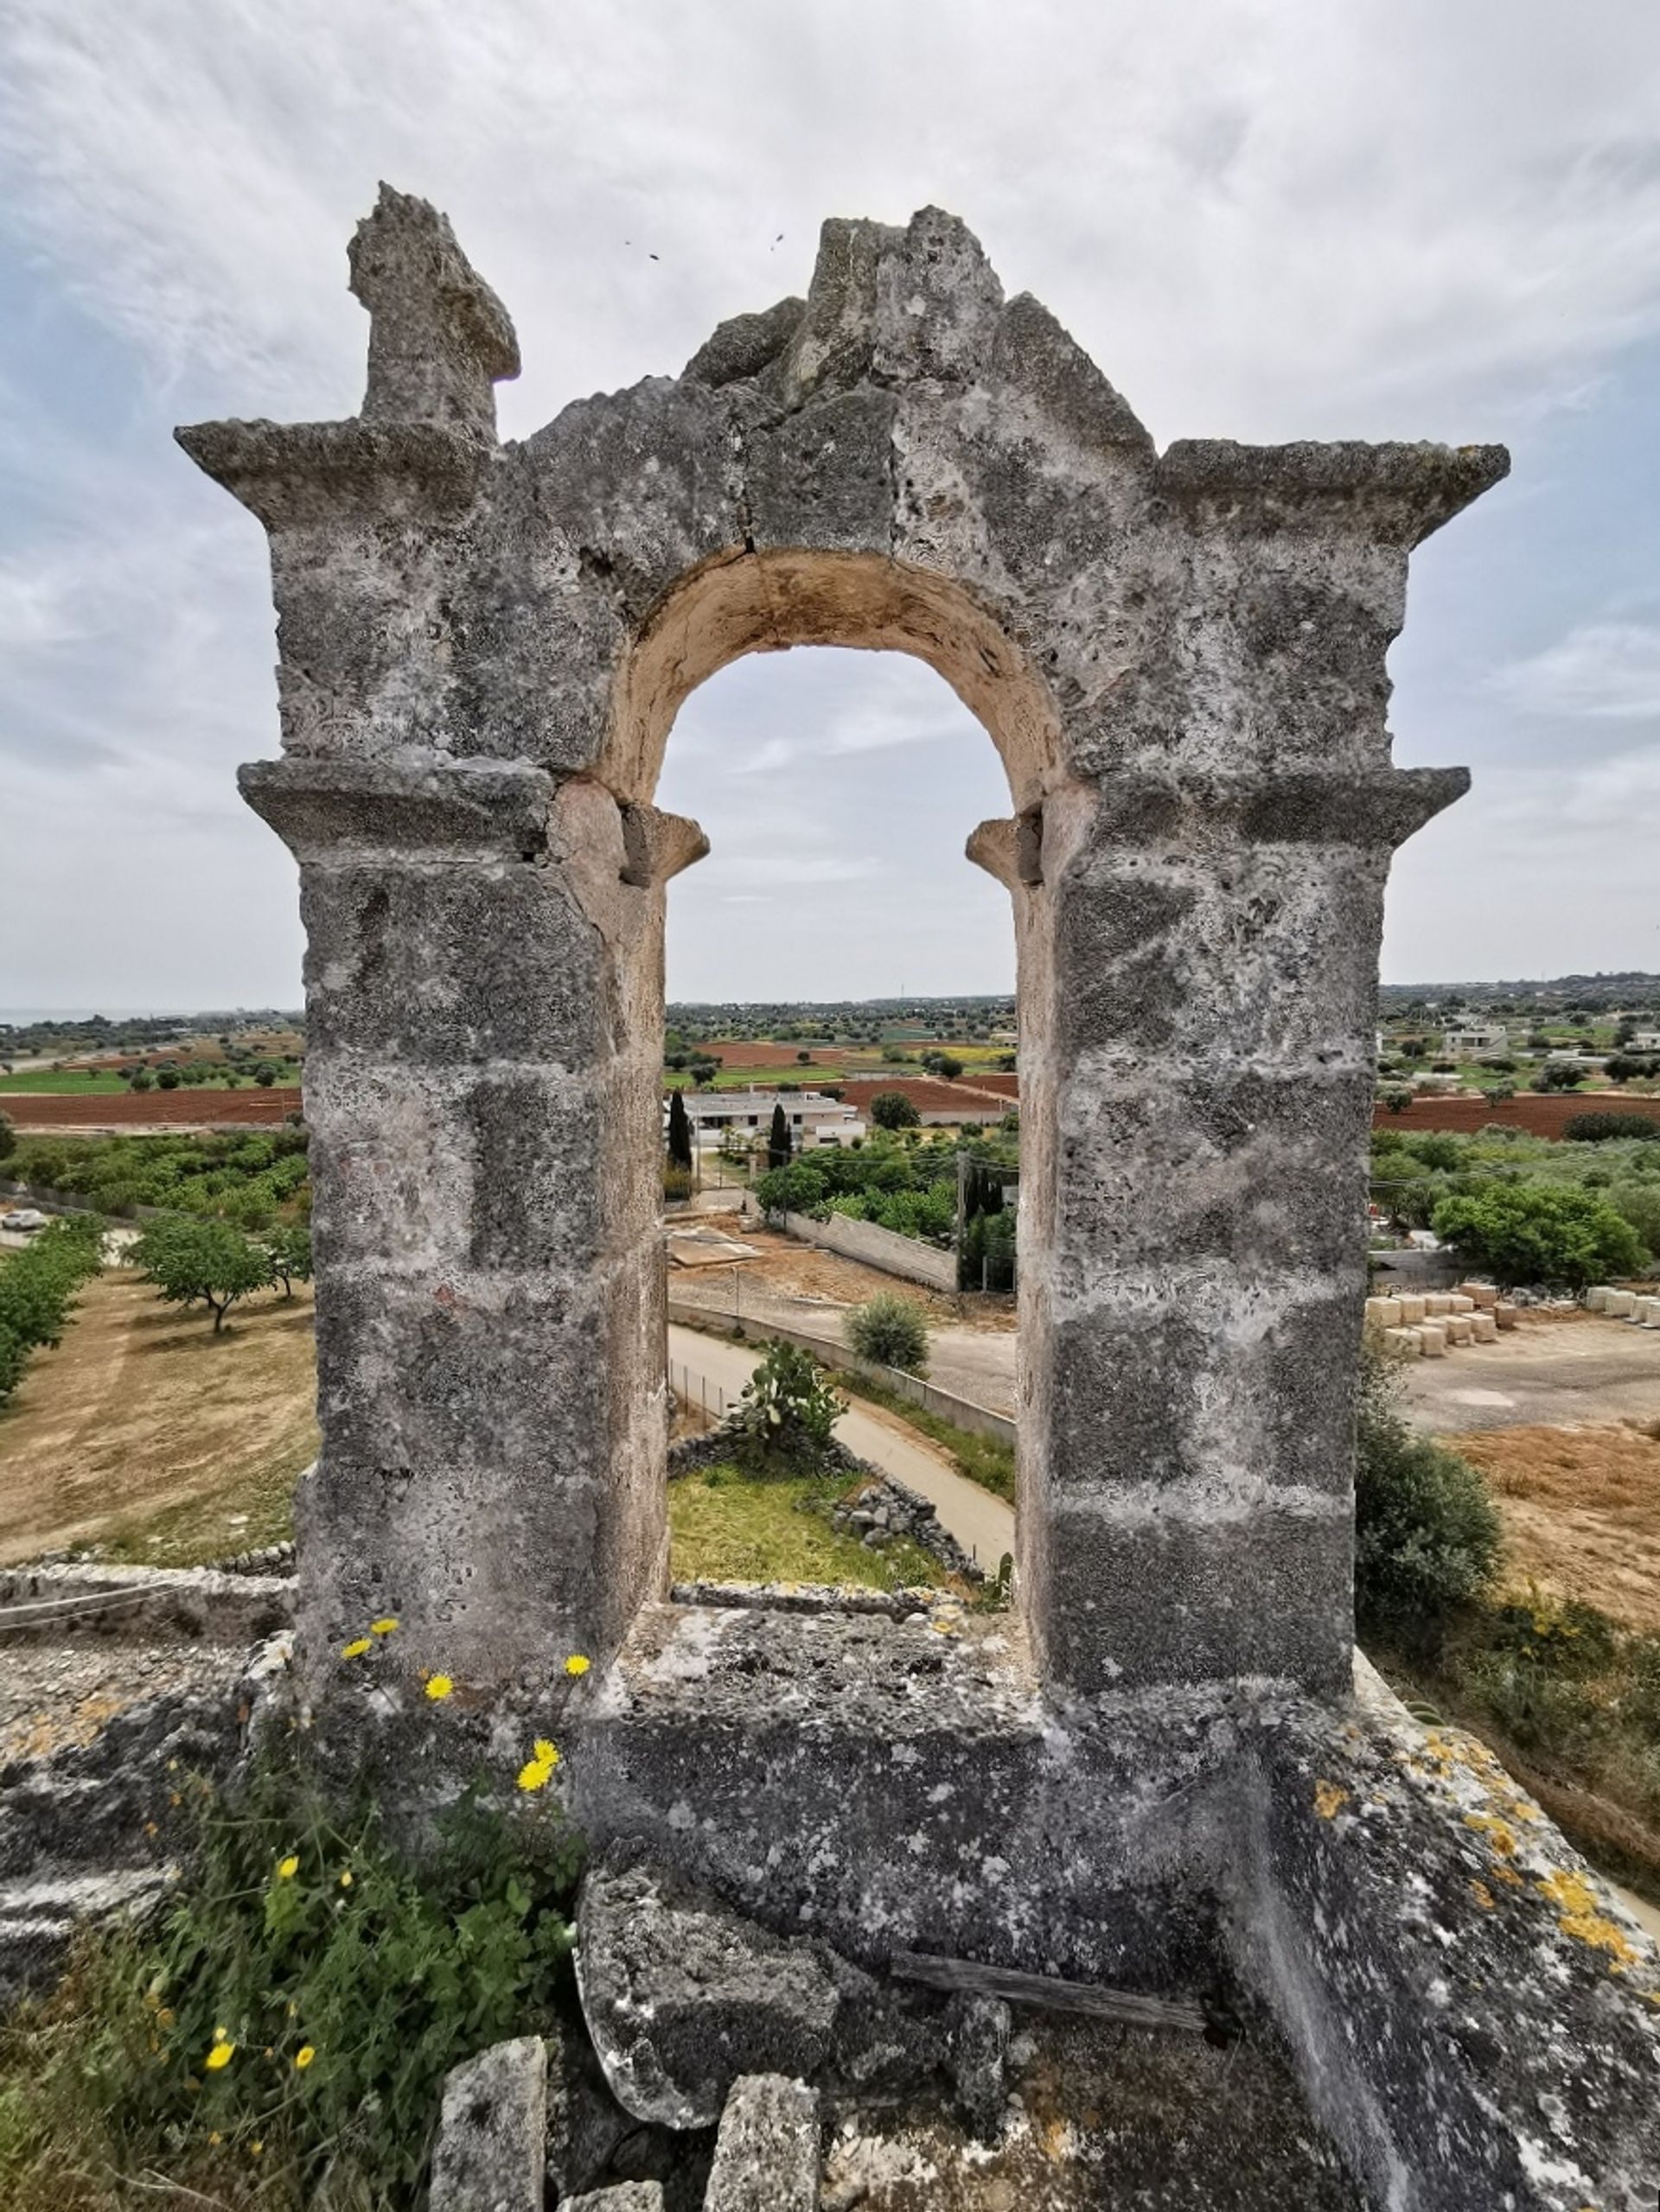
{"x": 1466, "y": 1043}
{"x": 813, "y": 1118}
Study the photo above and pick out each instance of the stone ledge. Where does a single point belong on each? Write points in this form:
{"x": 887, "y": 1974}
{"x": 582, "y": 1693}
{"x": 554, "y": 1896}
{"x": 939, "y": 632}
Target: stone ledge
{"x": 1397, "y": 493}
{"x": 1340, "y": 806}
{"x": 320, "y": 804}
{"x": 298, "y": 475}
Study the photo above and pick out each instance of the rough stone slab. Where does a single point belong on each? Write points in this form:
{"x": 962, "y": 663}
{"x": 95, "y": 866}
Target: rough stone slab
{"x": 491, "y": 2151}
{"x": 682, "y": 1994}
{"x": 38, "y": 1920}
{"x": 980, "y": 2028}
{"x": 622, "y": 2197}
{"x": 767, "y": 2152}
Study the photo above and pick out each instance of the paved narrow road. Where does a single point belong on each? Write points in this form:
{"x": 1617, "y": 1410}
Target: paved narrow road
{"x": 981, "y": 1522}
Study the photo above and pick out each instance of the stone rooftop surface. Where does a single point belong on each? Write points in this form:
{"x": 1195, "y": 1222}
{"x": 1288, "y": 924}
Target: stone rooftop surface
{"x": 1110, "y": 2119}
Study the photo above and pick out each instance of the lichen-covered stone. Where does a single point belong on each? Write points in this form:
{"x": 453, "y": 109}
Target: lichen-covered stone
{"x": 682, "y": 1995}
{"x": 767, "y": 2152}
{"x": 491, "y": 2146}
{"x": 621, "y": 2196}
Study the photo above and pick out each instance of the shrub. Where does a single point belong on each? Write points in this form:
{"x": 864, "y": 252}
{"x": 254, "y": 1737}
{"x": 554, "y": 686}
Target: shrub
{"x": 7, "y": 1138}
{"x": 340, "y": 1981}
{"x": 677, "y": 1181}
{"x": 1539, "y": 1232}
{"x": 893, "y": 1109}
{"x": 1426, "y": 1534}
{"x": 891, "y": 1331}
{"x": 787, "y": 1412}
{"x": 797, "y": 1189}
{"x": 1608, "y": 1128}
{"x": 1558, "y": 1075}
{"x": 1397, "y": 1101}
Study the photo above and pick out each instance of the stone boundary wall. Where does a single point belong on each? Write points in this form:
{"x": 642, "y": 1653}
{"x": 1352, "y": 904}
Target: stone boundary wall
{"x": 962, "y": 1413}
{"x": 52, "y": 1602}
{"x": 75, "y": 1202}
{"x": 877, "y": 1247}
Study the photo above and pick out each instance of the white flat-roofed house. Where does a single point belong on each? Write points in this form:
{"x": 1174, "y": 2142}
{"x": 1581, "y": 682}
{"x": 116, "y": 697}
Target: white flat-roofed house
{"x": 1466, "y": 1043}
{"x": 1644, "y": 1041}
{"x": 813, "y": 1118}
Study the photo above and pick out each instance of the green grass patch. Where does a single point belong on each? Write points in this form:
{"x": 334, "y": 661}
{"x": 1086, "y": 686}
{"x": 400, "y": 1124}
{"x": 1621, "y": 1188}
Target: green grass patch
{"x": 74, "y": 1082}
{"x": 727, "y": 1526}
{"x": 985, "y": 1460}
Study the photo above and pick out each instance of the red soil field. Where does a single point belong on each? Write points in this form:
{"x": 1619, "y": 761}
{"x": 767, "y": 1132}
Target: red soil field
{"x": 926, "y": 1092}
{"x": 1540, "y": 1114}
{"x": 252, "y": 1108}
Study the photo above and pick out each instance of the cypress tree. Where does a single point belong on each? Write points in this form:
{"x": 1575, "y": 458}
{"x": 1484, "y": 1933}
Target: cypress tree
{"x": 780, "y": 1143}
{"x": 679, "y": 1132}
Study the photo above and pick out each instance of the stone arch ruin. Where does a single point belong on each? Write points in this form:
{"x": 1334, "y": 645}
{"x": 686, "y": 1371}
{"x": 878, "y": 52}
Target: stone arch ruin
{"x": 1181, "y": 659}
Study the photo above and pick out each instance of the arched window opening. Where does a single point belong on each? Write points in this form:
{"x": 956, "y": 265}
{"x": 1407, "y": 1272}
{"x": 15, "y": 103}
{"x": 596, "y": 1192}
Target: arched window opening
{"x": 840, "y": 1109}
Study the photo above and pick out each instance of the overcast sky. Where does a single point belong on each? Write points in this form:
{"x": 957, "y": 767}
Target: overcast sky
{"x": 1291, "y": 218}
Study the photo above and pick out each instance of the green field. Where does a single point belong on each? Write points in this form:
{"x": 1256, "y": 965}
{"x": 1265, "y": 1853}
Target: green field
{"x": 727, "y": 1526}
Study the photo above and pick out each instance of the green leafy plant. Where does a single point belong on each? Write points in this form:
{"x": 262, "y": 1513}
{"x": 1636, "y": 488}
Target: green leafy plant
{"x": 206, "y": 1261}
{"x": 1427, "y": 1537}
{"x": 289, "y": 1250}
{"x": 891, "y": 1331}
{"x": 279, "y": 2031}
{"x": 38, "y": 1289}
{"x": 1539, "y": 1232}
{"x": 787, "y": 1412}
{"x": 1606, "y": 1128}
{"x": 893, "y": 1109}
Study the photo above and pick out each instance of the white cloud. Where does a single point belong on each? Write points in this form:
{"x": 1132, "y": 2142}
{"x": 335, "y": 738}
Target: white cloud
{"x": 1598, "y": 672}
{"x": 1264, "y": 218}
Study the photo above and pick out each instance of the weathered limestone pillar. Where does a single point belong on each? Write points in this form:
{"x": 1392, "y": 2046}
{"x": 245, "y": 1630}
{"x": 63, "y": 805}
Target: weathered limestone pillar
{"x": 483, "y": 949}
{"x": 484, "y": 994}
{"x": 1199, "y": 922}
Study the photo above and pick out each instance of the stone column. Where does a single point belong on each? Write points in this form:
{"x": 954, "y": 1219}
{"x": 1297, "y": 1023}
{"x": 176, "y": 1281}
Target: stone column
{"x": 484, "y": 991}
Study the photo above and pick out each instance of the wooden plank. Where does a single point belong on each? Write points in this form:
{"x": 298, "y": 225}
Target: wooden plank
{"x": 1055, "y": 1996}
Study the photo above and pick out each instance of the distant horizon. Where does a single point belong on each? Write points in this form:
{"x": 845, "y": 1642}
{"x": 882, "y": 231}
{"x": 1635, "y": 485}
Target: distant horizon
{"x": 24, "y": 1017}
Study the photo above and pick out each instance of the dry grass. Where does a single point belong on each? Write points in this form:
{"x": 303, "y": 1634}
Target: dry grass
{"x": 143, "y": 1425}
{"x": 1582, "y": 1512}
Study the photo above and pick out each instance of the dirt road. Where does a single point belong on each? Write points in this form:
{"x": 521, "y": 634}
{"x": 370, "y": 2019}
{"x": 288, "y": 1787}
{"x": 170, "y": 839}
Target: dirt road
{"x": 982, "y": 1524}
{"x": 971, "y": 1340}
{"x": 1577, "y": 1369}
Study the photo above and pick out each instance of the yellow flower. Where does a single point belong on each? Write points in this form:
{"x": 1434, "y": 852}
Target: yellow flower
{"x": 214, "y": 2138}
{"x": 438, "y": 1687}
{"x": 534, "y": 1773}
{"x": 289, "y": 1867}
{"x": 356, "y": 1649}
{"x": 303, "y": 2056}
{"x": 385, "y": 1627}
{"x": 254, "y": 2149}
{"x": 221, "y": 2054}
{"x": 576, "y": 1664}
{"x": 345, "y": 1877}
